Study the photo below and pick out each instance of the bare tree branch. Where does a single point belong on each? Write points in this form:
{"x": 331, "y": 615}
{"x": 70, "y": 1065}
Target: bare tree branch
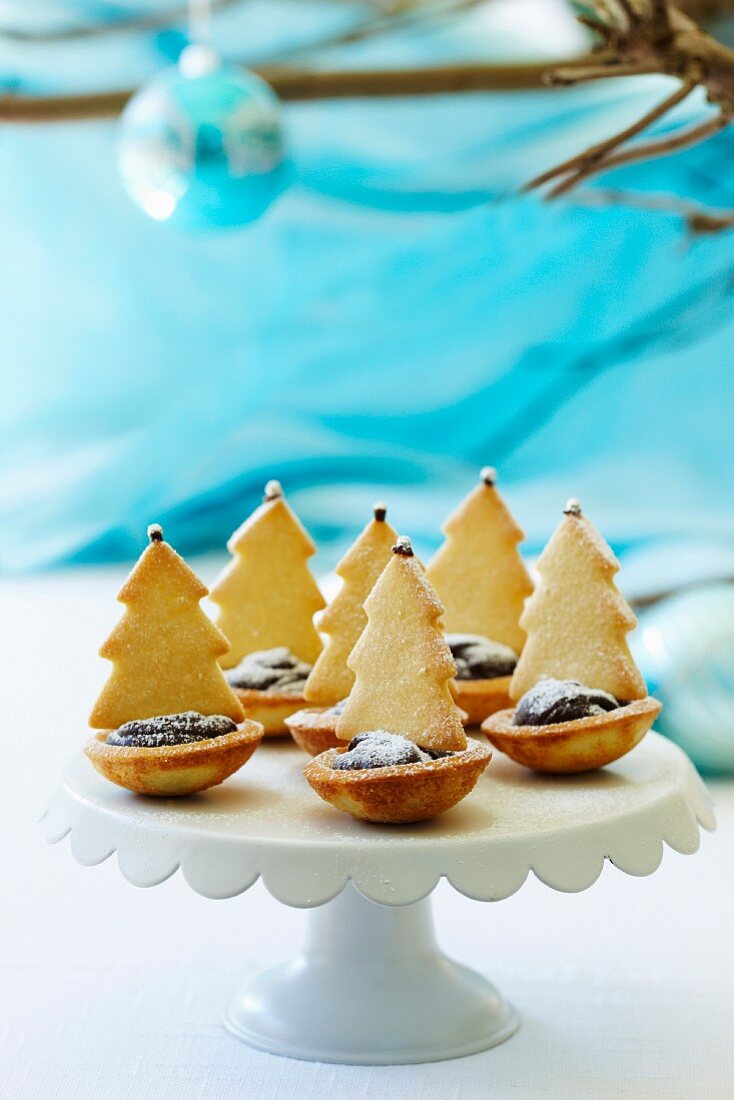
{"x": 299, "y": 84}
{"x": 650, "y": 36}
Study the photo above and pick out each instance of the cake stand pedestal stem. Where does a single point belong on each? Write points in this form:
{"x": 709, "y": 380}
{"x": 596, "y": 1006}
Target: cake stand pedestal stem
{"x": 371, "y": 987}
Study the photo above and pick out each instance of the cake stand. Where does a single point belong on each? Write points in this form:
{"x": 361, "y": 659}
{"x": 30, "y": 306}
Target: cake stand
{"x": 371, "y": 985}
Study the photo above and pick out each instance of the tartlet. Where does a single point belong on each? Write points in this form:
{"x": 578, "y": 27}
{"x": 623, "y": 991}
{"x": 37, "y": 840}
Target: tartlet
{"x": 314, "y": 729}
{"x": 167, "y": 721}
{"x": 174, "y": 770}
{"x": 402, "y": 793}
{"x": 270, "y": 709}
{"x": 580, "y": 745}
{"x": 480, "y": 698}
{"x": 269, "y": 686}
{"x": 407, "y": 757}
{"x": 581, "y": 700}
{"x": 484, "y": 670}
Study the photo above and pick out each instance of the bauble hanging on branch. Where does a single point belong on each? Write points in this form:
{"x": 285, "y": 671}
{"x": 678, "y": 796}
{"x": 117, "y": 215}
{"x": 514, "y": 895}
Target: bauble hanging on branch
{"x": 201, "y": 145}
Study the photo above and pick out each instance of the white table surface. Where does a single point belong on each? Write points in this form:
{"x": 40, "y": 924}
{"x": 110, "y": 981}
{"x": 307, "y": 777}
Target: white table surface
{"x": 626, "y": 990}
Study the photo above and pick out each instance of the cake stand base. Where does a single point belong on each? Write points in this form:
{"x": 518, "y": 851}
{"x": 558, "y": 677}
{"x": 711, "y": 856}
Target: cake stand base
{"x": 371, "y": 987}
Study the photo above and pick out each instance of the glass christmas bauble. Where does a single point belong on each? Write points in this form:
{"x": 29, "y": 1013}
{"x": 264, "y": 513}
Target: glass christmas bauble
{"x": 201, "y": 145}
{"x": 684, "y": 647}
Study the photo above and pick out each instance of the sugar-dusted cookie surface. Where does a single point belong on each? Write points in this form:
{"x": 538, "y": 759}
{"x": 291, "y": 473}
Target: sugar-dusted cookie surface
{"x": 267, "y": 596}
{"x": 402, "y": 663}
{"x": 164, "y": 650}
{"x": 345, "y": 618}
{"x": 577, "y": 621}
{"x": 478, "y": 572}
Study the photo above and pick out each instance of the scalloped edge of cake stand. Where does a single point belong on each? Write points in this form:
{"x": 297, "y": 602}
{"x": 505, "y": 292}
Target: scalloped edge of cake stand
{"x": 217, "y": 867}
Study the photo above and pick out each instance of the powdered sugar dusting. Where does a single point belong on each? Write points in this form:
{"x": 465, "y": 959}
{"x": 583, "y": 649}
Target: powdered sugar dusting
{"x": 480, "y": 658}
{"x": 171, "y": 729}
{"x": 379, "y": 749}
{"x": 275, "y": 669}
{"x": 551, "y": 701}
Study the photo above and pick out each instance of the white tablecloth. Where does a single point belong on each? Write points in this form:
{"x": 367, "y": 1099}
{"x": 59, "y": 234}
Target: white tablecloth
{"x": 108, "y": 991}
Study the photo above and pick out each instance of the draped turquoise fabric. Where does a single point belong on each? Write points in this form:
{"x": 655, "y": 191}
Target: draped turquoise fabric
{"x": 398, "y": 319}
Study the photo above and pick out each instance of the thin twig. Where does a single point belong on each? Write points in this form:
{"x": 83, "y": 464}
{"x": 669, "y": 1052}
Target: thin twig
{"x": 661, "y": 147}
{"x": 596, "y": 152}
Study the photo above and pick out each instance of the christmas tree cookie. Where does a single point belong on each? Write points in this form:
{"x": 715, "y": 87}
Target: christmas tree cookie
{"x": 266, "y": 596}
{"x": 345, "y": 618}
{"x": 266, "y": 599}
{"x": 402, "y": 663}
{"x": 168, "y": 714}
{"x": 482, "y": 583}
{"x": 582, "y": 702}
{"x": 331, "y": 679}
{"x": 408, "y": 757}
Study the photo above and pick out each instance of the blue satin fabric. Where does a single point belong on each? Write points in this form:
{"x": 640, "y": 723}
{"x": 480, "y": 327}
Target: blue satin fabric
{"x": 396, "y": 320}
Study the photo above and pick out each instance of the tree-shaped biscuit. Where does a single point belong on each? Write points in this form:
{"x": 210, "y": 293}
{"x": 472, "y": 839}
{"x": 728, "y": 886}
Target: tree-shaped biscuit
{"x": 402, "y": 663}
{"x": 164, "y": 650}
{"x": 478, "y": 572}
{"x": 577, "y": 621}
{"x": 344, "y": 619}
{"x": 267, "y": 596}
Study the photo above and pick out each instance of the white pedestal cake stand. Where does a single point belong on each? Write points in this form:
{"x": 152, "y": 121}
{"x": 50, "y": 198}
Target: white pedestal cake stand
{"x": 371, "y": 985}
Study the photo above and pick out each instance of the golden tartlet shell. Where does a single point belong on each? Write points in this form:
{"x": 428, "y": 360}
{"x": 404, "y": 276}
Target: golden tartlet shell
{"x": 314, "y": 730}
{"x": 578, "y": 746}
{"x": 269, "y": 708}
{"x": 402, "y": 793}
{"x": 172, "y": 770}
{"x": 480, "y": 698}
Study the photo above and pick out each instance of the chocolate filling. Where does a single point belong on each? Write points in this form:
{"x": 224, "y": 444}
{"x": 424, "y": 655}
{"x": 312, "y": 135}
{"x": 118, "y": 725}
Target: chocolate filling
{"x": 479, "y": 658}
{"x": 171, "y": 729}
{"x": 551, "y": 701}
{"x": 270, "y": 670}
{"x": 380, "y": 749}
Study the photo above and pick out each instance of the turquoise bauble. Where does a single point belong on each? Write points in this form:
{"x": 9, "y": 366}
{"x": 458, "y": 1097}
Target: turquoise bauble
{"x": 684, "y": 647}
{"x": 201, "y": 146}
